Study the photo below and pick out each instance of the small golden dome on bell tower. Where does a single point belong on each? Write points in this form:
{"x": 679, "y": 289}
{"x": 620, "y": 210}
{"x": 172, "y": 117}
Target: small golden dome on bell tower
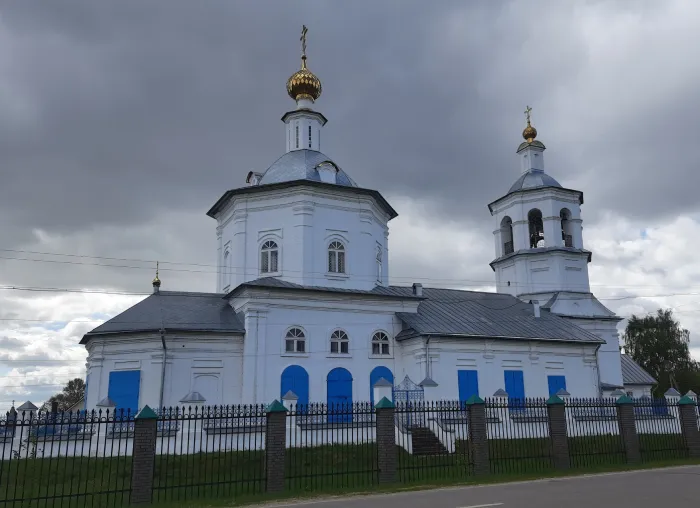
{"x": 304, "y": 84}
{"x": 530, "y": 133}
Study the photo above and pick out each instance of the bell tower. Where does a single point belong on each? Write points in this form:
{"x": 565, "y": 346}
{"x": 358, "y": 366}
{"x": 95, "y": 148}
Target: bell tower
{"x": 540, "y": 256}
{"x": 538, "y": 235}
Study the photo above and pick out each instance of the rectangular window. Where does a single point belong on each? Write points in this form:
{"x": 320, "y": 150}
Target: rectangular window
{"x": 264, "y": 262}
{"x": 385, "y": 349}
{"x": 301, "y": 346}
{"x": 555, "y": 384}
{"x": 344, "y": 348}
{"x": 375, "y": 349}
{"x": 273, "y": 261}
{"x": 468, "y": 383}
{"x": 309, "y": 136}
{"x": 297, "y": 130}
{"x": 123, "y": 389}
{"x": 334, "y": 347}
{"x": 289, "y": 346}
{"x": 331, "y": 261}
{"x": 341, "y": 262}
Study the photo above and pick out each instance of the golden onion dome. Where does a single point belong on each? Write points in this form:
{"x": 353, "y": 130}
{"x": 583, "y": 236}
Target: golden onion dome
{"x": 530, "y": 133}
{"x": 304, "y": 84}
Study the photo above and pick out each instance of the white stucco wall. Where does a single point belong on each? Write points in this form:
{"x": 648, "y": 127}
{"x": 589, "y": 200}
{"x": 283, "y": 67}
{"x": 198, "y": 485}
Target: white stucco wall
{"x": 303, "y": 220}
{"x": 492, "y": 357}
{"x": 209, "y": 363}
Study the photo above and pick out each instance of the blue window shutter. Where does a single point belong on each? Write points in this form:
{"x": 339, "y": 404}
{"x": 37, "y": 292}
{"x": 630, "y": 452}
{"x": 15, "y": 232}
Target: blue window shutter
{"x": 515, "y": 386}
{"x": 124, "y": 386}
{"x": 468, "y": 383}
{"x": 556, "y": 383}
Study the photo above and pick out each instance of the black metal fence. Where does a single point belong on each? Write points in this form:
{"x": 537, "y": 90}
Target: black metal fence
{"x": 215, "y": 451}
{"x": 86, "y": 459}
{"x": 331, "y": 447}
{"x": 65, "y": 459}
{"x": 432, "y": 441}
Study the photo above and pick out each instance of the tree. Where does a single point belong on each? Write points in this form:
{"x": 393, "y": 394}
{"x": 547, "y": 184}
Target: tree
{"x": 71, "y": 394}
{"x": 661, "y": 346}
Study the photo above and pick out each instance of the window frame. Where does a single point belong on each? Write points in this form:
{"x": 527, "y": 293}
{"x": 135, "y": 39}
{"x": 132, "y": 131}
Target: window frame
{"x": 334, "y": 250}
{"x": 339, "y": 338}
{"x": 380, "y": 343}
{"x": 263, "y": 250}
{"x": 289, "y": 336}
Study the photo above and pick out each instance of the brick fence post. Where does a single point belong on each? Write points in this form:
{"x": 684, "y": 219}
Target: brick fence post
{"x": 628, "y": 429}
{"x": 386, "y": 441}
{"x": 275, "y": 446}
{"x": 144, "y": 456}
{"x": 478, "y": 436}
{"x": 558, "y": 438}
{"x": 689, "y": 426}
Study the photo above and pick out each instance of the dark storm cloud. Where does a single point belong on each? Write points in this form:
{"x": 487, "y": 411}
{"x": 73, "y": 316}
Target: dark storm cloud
{"x": 134, "y": 107}
{"x": 117, "y": 113}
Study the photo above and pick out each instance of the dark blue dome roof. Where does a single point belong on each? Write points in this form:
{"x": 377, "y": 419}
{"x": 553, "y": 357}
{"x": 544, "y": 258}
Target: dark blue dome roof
{"x": 302, "y": 165}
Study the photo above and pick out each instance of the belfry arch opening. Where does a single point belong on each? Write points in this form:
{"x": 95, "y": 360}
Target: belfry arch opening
{"x": 536, "y": 228}
{"x": 567, "y": 230}
{"x": 507, "y": 235}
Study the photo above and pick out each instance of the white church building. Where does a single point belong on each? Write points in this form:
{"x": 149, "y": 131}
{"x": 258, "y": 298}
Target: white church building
{"x": 303, "y": 301}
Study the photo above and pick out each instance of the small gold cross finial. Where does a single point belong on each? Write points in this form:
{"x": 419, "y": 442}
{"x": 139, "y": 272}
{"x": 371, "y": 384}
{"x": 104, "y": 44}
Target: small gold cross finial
{"x": 303, "y": 45}
{"x": 528, "y": 109}
{"x": 156, "y": 281}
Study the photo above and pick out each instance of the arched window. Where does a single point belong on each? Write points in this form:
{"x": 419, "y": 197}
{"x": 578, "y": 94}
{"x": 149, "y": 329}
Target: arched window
{"x": 340, "y": 342}
{"x": 507, "y": 235}
{"x": 534, "y": 219}
{"x": 566, "y": 229}
{"x": 380, "y": 344}
{"x": 269, "y": 257}
{"x": 336, "y": 257}
{"x": 295, "y": 341}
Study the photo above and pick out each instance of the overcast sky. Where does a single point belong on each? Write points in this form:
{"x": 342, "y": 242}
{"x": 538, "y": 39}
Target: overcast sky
{"x": 122, "y": 122}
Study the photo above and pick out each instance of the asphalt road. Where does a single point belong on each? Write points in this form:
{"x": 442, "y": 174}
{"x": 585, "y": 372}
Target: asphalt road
{"x": 670, "y": 487}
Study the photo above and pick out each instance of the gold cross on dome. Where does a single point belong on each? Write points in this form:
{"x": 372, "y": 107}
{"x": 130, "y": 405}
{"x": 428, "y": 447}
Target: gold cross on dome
{"x": 303, "y": 40}
{"x": 528, "y": 109}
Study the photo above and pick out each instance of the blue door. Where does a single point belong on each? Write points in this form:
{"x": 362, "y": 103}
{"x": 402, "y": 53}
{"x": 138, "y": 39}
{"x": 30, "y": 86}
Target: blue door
{"x": 374, "y": 376}
{"x": 123, "y": 389}
{"x": 296, "y": 379}
{"x": 556, "y": 383}
{"x": 515, "y": 386}
{"x": 468, "y": 383}
{"x": 339, "y": 383}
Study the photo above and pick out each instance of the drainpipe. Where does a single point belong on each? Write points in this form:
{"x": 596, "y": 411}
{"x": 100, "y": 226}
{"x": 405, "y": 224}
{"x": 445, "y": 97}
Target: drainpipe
{"x": 597, "y": 362}
{"x": 162, "y": 370}
{"x": 427, "y": 357}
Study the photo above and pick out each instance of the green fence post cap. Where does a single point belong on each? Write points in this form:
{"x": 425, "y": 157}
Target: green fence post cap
{"x": 554, "y": 400}
{"x": 384, "y": 404}
{"x": 276, "y": 407}
{"x": 686, "y": 401}
{"x": 474, "y": 399}
{"x": 146, "y": 413}
{"x": 624, "y": 400}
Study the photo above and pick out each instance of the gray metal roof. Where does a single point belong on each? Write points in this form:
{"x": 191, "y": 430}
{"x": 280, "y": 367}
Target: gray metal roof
{"x": 182, "y": 311}
{"x": 533, "y": 179}
{"x": 633, "y": 374}
{"x": 273, "y": 282}
{"x": 301, "y": 165}
{"x": 479, "y": 314}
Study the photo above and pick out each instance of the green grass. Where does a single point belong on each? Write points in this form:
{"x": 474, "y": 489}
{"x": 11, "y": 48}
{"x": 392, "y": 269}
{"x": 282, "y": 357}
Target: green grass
{"x": 310, "y": 471}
